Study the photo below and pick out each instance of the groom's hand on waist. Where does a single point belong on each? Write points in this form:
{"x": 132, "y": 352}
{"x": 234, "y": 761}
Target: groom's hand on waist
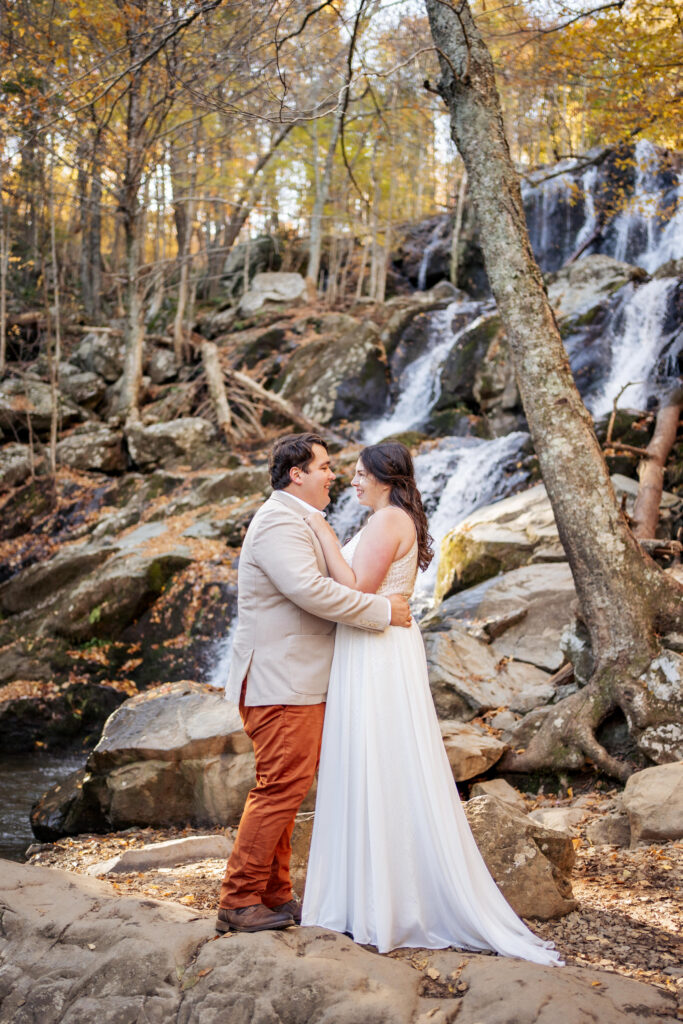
{"x": 400, "y": 610}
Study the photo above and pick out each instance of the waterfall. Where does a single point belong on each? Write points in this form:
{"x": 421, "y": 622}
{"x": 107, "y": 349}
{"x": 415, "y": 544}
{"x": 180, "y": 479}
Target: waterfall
{"x": 649, "y": 230}
{"x": 562, "y": 204}
{"x": 217, "y": 674}
{"x": 638, "y": 345}
{"x": 455, "y": 476}
{"x": 432, "y": 244}
{"x": 421, "y": 378}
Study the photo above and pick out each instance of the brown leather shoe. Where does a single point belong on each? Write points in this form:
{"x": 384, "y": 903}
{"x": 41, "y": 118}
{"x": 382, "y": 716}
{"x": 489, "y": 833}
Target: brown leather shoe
{"x": 256, "y": 918}
{"x": 291, "y": 907}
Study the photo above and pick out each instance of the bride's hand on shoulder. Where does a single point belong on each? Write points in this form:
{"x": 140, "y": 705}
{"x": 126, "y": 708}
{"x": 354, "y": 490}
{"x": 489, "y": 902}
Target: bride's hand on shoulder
{"x": 321, "y": 528}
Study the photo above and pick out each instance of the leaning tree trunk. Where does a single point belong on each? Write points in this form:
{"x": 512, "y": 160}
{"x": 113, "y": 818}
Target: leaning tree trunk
{"x": 625, "y": 599}
{"x": 651, "y": 469}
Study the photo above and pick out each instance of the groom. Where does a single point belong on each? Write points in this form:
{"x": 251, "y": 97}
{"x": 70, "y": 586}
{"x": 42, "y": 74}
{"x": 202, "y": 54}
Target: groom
{"x": 282, "y": 653}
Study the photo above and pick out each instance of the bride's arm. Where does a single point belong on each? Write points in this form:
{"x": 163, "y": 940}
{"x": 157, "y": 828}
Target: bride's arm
{"x": 337, "y": 566}
{"x": 376, "y": 549}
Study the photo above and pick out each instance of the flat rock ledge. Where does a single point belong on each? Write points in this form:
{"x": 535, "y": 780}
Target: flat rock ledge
{"x": 72, "y": 952}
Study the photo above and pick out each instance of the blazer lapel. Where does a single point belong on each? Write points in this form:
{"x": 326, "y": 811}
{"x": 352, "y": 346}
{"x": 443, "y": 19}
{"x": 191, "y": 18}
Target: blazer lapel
{"x": 285, "y": 499}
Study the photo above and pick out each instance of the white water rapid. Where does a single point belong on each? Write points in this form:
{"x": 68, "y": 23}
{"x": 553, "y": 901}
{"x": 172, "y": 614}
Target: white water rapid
{"x": 421, "y": 378}
{"x": 638, "y": 344}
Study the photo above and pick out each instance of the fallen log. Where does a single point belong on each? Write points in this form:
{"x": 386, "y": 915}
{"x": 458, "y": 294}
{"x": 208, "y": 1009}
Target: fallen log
{"x": 282, "y": 406}
{"x": 216, "y": 384}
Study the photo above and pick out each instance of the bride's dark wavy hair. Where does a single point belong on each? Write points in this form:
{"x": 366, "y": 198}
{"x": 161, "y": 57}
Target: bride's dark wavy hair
{"x": 391, "y": 463}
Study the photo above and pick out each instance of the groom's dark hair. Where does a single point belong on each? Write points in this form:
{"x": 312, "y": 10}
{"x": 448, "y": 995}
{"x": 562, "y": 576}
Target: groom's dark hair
{"x": 290, "y": 451}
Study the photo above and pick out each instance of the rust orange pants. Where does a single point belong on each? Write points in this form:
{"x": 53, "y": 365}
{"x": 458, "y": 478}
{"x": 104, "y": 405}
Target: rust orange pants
{"x": 286, "y": 742}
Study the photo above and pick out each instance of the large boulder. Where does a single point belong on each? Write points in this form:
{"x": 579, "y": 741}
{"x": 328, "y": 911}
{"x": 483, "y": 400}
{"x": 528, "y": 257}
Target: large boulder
{"x": 82, "y": 386}
{"x": 653, "y": 800}
{"x": 29, "y": 401}
{"x": 510, "y": 533}
{"x": 93, "y": 447}
{"x": 343, "y": 377}
{"x": 257, "y": 255}
{"x": 467, "y": 677}
{"x": 75, "y": 950}
{"x": 497, "y": 538}
{"x": 580, "y": 288}
{"x": 16, "y": 461}
{"x": 187, "y": 439}
{"x": 174, "y": 755}
{"x": 101, "y": 353}
{"x": 271, "y": 287}
{"x": 470, "y": 750}
{"x": 531, "y": 864}
{"x": 521, "y": 614}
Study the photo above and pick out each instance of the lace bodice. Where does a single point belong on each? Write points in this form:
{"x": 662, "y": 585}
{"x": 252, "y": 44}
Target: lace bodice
{"x": 400, "y": 579}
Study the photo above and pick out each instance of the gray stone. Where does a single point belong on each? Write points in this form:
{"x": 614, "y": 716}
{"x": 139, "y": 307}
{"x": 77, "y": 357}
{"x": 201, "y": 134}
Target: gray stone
{"x": 501, "y": 790}
{"x": 467, "y": 677}
{"x": 584, "y": 285}
{"x": 28, "y": 399}
{"x": 15, "y": 464}
{"x": 184, "y": 439}
{"x": 664, "y": 680}
{"x": 39, "y": 581}
{"x": 564, "y": 819}
{"x": 168, "y": 854}
{"x": 339, "y": 377}
{"x": 497, "y": 538}
{"x": 653, "y": 800}
{"x": 271, "y": 287}
{"x": 105, "y": 601}
{"x": 82, "y": 386}
{"x": 531, "y": 864}
{"x": 610, "y": 830}
{"x": 100, "y": 353}
{"x": 161, "y": 365}
{"x": 174, "y": 722}
{"x": 76, "y": 951}
{"x": 506, "y": 535}
{"x": 470, "y": 750}
{"x": 93, "y": 447}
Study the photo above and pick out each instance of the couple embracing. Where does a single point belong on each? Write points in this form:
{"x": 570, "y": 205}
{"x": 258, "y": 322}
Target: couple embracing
{"x": 393, "y": 861}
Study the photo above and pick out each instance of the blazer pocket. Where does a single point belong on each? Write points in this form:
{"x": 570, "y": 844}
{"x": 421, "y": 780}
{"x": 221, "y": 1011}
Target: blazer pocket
{"x": 308, "y": 658}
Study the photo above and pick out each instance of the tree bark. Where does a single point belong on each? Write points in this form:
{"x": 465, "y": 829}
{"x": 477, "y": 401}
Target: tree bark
{"x": 623, "y": 595}
{"x": 651, "y": 469}
{"x": 457, "y": 228}
{"x": 216, "y": 385}
{"x": 321, "y": 193}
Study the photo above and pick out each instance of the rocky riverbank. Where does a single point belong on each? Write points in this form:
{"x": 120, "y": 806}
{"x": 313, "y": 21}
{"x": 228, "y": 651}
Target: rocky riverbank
{"x": 621, "y": 943}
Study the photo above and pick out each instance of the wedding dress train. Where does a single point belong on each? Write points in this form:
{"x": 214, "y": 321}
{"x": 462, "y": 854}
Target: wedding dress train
{"x": 393, "y": 861}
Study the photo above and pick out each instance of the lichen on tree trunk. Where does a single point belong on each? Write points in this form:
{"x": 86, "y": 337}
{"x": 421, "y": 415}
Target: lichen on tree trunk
{"x": 625, "y": 599}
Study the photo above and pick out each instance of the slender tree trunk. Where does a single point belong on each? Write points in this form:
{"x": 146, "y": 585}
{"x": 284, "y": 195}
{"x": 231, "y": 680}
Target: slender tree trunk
{"x": 216, "y": 385}
{"x": 133, "y": 220}
{"x": 54, "y": 356}
{"x": 624, "y": 597}
{"x": 651, "y": 469}
{"x": 457, "y": 227}
{"x": 4, "y": 263}
{"x": 84, "y": 224}
{"x": 321, "y": 194}
{"x": 95, "y": 233}
{"x": 184, "y": 242}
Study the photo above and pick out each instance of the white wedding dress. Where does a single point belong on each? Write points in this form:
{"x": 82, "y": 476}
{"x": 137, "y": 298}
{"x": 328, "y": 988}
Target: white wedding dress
{"x": 393, "y": 861}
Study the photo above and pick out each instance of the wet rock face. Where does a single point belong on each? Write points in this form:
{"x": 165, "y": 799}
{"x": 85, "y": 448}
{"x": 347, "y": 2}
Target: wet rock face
{"x": 77, "y": 713}
{"x": 339, "y": 378}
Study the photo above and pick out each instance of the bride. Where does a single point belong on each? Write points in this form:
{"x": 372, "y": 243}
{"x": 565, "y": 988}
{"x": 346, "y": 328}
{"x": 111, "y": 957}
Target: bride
{"x": 393, "y": 861}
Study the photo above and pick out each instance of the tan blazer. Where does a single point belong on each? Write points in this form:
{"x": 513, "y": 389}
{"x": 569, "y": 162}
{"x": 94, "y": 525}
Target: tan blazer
{"x": 286, "y": 609}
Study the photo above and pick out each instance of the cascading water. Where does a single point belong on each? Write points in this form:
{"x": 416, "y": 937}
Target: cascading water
{"x": 421, "y": 377}
{"x": 431, "y": 246}
{"x": 455, "y": 477}
{"x": 639, "y": 343}
{"x": 562, "y": 205}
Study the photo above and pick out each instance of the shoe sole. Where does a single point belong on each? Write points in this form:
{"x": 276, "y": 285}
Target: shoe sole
{"x": 224, "y": 927}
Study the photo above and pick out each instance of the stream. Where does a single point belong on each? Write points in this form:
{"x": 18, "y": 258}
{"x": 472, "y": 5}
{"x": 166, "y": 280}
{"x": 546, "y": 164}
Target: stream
{"x": 24, "y": 778}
